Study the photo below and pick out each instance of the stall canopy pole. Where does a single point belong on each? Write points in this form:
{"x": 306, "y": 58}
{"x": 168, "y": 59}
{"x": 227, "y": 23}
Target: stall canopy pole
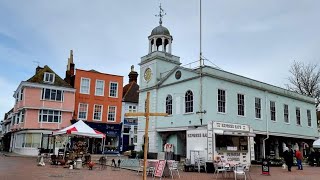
{"x": 65, "y": 147}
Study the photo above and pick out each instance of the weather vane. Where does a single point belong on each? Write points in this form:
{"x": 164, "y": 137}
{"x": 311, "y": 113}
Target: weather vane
{"x": 161, "y": 14}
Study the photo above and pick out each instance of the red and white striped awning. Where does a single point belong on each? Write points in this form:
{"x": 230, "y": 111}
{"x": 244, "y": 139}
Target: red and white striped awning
{"x": 81, "y": 129}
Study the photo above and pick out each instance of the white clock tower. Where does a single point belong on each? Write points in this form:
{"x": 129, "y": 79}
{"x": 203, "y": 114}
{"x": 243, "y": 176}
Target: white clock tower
{"x": 154, "y": 67}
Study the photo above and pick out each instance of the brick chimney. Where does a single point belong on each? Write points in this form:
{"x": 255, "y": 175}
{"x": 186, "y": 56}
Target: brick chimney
{"x": 70, "y": 70}
{"x": 38, "y": 69}
{"x": 133, "y": 75}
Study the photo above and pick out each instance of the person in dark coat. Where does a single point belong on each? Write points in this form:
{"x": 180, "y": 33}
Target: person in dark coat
{"x": 311, "y": 157}
{"x": 288, "y": 158}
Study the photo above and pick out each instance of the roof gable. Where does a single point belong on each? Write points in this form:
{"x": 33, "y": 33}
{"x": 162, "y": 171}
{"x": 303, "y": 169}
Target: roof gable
{"x": 186, "y": 73}
{"x": 38, "y": 78}
{"x": 130, "y": 92}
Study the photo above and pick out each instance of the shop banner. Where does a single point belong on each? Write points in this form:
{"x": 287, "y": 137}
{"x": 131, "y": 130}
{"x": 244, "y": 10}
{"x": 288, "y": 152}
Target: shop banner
{"x": 265, "y": 167}
{"x": 229, "y": 126}
{"x": 161, "y": 164}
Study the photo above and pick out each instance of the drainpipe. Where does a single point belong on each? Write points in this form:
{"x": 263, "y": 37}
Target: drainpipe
{"x": 267, "y": 125}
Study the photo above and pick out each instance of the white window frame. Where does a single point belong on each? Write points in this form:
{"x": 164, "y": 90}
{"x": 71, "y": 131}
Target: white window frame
{"x": 238, "y": 105}
{"x": 101, "y": 112}
{"x": 275, "y": 112}
{"x": 255, "y": 108}
{"x": 116, "y": 89}
{"x": 169, "y": 105}
{"x": 191, "y": 101}
{"x": 298, "y": 109}
{"x": 95, "y": 93}
{"x": 309, "y": 118}
{"x": 43, "y": 94}
{"x": 225, "y": 101}
{"x": 286, "y": 112}
{"x": 47, "y": 74}
{"x": 41, "y": 114}
{"x": 132, "y": 108}
{"x": 86, "y": 111}
{"x": 81, "y": 89}
{"x": 115, "y": 114}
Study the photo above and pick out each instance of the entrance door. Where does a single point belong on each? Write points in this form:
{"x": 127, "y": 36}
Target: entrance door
{"x": 125, "y": 143}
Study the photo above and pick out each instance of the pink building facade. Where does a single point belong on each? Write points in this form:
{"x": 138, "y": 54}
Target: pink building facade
{"x": 44, "y": 103}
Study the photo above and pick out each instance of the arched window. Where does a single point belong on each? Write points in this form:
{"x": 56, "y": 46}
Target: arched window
{"x": 188, "y": 101}
{"x": 169, "y": 104}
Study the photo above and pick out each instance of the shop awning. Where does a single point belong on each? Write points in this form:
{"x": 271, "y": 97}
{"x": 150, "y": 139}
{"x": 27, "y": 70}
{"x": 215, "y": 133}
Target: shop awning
{"x": 316, "y": 143}
{"x": 233, "y": 133}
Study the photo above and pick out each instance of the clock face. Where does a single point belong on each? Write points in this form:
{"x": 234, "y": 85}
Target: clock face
{"x": 147, "y": 74}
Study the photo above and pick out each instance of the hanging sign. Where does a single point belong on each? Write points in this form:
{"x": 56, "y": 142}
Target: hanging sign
{"x": 229, "y": 126}
{"x": 161, "y": 164}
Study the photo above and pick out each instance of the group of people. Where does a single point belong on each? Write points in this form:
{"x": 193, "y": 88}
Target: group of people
{"x": 288, "y": 155}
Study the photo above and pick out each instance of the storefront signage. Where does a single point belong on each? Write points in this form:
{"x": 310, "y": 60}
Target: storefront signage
{"x": 159, "y": 168}
{"x": 233, "y": 157}
{"x": 265, "y": 167}
{"x": 195, "y": 135}
{"x": 131, "y": 121}
{"x": 229, "y": 126}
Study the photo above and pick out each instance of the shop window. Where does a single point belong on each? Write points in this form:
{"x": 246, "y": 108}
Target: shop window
{"x": 258, "y": 108}
{"x": 240, "y": 104}
{"x": 29, "y": 140}
{"x": 169, "y": 104}
{"x": 221, "y": 100}
{"x": 231, "y": 143}
{"x": 273, "y": 110}
{"x": 309, "y": 117}
{"x": 188, "y": 102}
{"x": 298, "y": 116}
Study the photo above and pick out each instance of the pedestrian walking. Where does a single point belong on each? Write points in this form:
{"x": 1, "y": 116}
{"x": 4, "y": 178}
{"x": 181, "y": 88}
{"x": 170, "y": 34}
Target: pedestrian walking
{"x": 299, "y": 159}
{"x": 287, "y": 155}
{"x": 311, "y": 157}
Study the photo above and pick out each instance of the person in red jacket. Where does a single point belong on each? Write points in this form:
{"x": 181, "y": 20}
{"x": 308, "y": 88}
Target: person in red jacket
{"x": 299, "y": 159}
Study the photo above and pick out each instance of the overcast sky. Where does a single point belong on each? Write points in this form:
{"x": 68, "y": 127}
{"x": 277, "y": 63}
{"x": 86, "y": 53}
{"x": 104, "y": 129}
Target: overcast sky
{"x": 258, "y": 39}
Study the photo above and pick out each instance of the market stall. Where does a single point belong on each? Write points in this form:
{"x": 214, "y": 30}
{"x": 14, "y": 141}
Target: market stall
{"x": 78, "y": 131}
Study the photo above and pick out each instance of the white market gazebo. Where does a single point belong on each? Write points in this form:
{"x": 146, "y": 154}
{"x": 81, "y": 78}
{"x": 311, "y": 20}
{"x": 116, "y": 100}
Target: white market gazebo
{"x": 316, "y": 143}
{"x": 80, "y": 129}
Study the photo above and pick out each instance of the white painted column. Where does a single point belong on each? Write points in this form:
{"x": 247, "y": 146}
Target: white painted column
{"x": 154, "y": 44}
{"x": 170, "y": 41}
{"x": 150, "y": 46}
{"x": 163, "y": 47}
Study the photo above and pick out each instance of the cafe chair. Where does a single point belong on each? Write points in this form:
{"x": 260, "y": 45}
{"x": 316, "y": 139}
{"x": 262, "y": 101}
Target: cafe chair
{"x": 247, "y": 170}
{"x": 219, "y": 167}
{"x": 140, "y": 167}
{"x": 173, "y": 166}
{"x": 240, "y": 170}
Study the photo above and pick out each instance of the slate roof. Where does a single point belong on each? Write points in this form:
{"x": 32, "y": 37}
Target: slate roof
{"x": 38, "y": 78}
{"x": 130, "y": 92}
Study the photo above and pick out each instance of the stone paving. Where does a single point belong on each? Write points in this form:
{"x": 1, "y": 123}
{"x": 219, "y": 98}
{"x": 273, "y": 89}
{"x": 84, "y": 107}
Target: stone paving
{"x": 16, "y": 168}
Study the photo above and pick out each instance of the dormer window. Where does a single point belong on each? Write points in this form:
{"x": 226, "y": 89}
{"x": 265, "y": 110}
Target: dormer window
{"x": 48, "y": 77}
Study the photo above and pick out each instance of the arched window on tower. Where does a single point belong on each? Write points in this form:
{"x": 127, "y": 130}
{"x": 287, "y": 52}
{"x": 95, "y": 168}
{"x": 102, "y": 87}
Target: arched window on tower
{"x": 169, "y": 104}
{"x": 188, "y": 101}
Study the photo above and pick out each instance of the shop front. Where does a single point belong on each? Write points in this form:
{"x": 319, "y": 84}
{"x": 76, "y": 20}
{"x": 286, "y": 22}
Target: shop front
{"x": 129, "y": 134}
{"x": 230, "y": 142}
{"x": 112, "y": 141}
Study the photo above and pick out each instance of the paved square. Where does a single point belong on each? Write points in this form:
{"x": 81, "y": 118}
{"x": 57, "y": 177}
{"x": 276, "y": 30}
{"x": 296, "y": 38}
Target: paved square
{"x": 16, "y": 168}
